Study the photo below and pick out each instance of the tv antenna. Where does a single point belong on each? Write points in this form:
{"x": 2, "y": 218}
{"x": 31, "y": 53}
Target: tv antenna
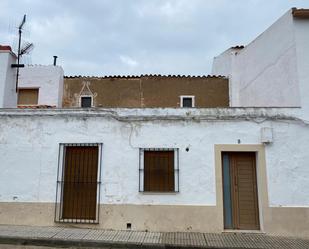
{"x": 24, "y": 49}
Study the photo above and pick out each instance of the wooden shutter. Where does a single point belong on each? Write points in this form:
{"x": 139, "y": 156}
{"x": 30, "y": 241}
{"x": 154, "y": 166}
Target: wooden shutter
{"x": 28, "y": 96}
{"x": 159, "y": 171}
{"x": 80, "y": 182}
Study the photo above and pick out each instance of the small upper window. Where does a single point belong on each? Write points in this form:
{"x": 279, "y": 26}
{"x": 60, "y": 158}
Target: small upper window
{"x": 86, "y": 101}
{"x": 28, "y": 96}
{"x": 187, "y": 101}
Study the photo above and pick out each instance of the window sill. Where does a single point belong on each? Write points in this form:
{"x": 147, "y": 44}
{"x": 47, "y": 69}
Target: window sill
{"x": 158, "y": 193}
{"x": 77, "y": 221}
{"x": 242, "y": 231}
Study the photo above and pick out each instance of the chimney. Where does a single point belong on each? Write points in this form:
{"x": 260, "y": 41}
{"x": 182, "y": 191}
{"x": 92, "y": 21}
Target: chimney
{"x": 55, "y": 60}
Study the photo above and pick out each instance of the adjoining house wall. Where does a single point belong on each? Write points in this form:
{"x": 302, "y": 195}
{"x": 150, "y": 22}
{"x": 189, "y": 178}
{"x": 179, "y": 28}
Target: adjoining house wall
{"x": 29, "y": 167}
{"x": 265, "y": 72}
{"x": 8, "y": 95}
{"x": 49, "y": 81}
{"x": 301, "y": 32}
{"x": 222, "y": 64}
{"x": 266, "y": 69}
{"x": 144, "y": 91}
{"x": 106, "y": 92}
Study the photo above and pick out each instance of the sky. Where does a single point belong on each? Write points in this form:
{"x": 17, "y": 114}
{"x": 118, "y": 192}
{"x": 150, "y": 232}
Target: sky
{"x": 133, "y": 37}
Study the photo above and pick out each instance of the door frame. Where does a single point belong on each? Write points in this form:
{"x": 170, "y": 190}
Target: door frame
{"x": 60, "y": 180}
{"x": 261, "y": 176}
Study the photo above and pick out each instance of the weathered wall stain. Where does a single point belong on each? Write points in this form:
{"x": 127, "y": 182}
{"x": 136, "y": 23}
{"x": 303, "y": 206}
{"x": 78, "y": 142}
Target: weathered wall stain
{"x": 147, "y": 91}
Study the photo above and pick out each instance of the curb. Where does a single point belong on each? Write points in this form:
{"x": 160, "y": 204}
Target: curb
{"x": 91, "y": 243}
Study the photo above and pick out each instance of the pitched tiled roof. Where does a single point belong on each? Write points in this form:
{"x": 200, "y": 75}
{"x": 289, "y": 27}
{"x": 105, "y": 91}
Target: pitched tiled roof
{"x": 300, "y": 13}
{"x": 238, "y": 47}
{"x": 5, "y": 48}
{"x": 36, "y": 106}
{"x": 146, "y": 75}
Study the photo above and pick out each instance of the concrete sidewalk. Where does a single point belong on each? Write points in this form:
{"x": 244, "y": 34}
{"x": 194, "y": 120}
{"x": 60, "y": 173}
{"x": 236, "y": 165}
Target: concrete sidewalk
{"x": 67, "y": 237}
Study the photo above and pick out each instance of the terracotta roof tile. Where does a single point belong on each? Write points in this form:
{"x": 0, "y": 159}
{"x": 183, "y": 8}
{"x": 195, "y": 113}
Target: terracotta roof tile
{"x": 238, "y": 47}
{"x": 5, "y": 48}
{"x": 145, "y": 75}
{"x": 36, "y": 106}
{"x": 300, "y": 13}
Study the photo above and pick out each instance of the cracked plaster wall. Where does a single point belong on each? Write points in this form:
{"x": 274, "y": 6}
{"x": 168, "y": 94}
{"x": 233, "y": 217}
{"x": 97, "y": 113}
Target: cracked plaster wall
{"x": 29, "y": 144}
{"x": 272, "y": 70}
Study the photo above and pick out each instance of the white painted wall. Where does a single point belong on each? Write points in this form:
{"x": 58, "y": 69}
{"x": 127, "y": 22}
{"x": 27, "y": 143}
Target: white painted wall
{"x": 49, "y": 80}
{"x": 268, "y": 71}
{"x": 29, "y": 144}
{"x": 222, "y": 64}
{"x": 301, "y": 27}
{"x": 8, "y": 96}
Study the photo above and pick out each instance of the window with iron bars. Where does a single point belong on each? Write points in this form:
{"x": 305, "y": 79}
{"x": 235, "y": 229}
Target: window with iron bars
{"x": 159, "y": 170}
{"x": 78, "y": 183}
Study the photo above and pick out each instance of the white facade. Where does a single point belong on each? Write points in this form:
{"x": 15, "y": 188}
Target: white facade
{"x": 272, "y": 71}
{"x": 49, "y": 81}
{"x": 8, "y": 95}
{"x": 123, "y": 132}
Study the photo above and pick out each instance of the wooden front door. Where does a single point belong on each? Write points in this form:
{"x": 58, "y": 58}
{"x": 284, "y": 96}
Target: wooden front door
{"x": 80, "y": 183}
{"x": 240, "y": 191}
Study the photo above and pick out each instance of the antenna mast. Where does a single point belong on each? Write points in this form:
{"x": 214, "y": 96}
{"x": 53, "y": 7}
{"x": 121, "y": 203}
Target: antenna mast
{"x": 18, "y": 53}
{"x": 27, "y": 47}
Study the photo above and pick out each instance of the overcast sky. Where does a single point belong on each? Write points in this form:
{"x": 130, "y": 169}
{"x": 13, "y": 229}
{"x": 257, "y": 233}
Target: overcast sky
{"x": 129, "y": 37}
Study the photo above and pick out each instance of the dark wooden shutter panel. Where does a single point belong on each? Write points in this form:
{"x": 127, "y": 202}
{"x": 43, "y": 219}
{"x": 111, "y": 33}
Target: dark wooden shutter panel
{"x": 28, "y": 96}
{"x": 80, "y": 182}
{"x": 159, "y": 171}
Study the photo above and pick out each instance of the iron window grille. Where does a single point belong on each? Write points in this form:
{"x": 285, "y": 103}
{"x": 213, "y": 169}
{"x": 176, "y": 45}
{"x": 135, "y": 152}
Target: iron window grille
{"x": 62, "y": 183}
{"x": 142, "y": 169}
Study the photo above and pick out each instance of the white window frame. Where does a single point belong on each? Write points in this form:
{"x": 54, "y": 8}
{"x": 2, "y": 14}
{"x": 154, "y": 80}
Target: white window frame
{"x": 187, "y": 96}
{"x": 83, "y": 96}
{"x": 141, "y": 170}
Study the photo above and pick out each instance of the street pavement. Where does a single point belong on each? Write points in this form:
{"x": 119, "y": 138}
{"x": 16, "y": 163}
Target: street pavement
{"x": 29, "y": 237}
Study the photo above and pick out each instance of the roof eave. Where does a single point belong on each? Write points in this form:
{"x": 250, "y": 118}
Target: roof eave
{"x": 300, "y": 13}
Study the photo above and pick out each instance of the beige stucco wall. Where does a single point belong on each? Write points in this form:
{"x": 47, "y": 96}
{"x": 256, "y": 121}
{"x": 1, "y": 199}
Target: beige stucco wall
{"x": 165, "y": 218}
{"x": 144, "y": 91}
{"x": 142, "y": 217}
